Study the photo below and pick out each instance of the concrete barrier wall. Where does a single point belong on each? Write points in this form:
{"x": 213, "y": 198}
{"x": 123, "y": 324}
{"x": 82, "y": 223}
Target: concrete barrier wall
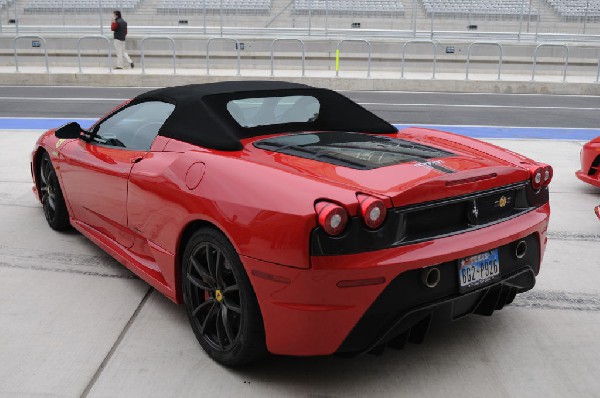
{"x": 386, "y": 54}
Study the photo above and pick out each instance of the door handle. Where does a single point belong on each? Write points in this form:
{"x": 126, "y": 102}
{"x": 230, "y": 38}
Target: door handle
{"x": 136, "y": 160}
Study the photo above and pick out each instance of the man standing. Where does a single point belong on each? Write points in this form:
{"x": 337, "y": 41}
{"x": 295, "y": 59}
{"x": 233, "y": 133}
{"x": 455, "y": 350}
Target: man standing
{"x": 119, "y": 27}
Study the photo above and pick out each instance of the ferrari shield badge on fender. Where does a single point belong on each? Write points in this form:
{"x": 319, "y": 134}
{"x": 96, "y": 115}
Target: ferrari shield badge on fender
{"x": 60, "y": 142}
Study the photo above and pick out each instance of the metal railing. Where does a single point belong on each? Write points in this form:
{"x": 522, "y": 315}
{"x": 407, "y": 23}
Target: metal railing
{"x": 237, "y": 47}
{"x": 337, "y": 54}
{"x": 295, "y": 40}
{"x": 566, "y": 48}
{"x": 501, "y": 54}
{"x": 433, "y": 45}
{"x": 535, "y": 55}
{"x": 170, "y": 39}
{"x": 30, "y": 37}
{"x": 109, "y": 53}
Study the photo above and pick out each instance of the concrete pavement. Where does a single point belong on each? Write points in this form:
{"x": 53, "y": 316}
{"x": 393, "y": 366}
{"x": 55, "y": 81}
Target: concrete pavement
{"x": 73, "y": 321}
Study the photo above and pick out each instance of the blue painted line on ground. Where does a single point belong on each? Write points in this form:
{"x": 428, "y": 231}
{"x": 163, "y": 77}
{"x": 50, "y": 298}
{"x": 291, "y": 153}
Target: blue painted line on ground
{"x": 470, "y": 131}
{"x": 40, "y": 123}
{"x": 545, "y": 133}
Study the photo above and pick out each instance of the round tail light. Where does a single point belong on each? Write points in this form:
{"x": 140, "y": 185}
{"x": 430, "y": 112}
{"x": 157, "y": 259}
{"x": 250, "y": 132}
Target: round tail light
{"x": 537, "y": 177}
{"x": 372, "y": 210}
{"x": 331, "y": 217}
{"x": 547, "y": 175}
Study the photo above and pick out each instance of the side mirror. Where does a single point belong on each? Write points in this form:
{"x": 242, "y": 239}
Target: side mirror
{"x": 68, "y": 131}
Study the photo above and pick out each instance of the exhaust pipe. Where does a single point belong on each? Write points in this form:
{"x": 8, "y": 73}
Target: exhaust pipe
{"x": 521, "y": 249}
{"x": 430, "y": 277}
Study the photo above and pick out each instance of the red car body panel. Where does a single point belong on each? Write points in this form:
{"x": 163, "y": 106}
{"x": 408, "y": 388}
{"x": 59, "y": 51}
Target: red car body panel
{"x": 136, "y": 205}
{"x": 590, "y": 160}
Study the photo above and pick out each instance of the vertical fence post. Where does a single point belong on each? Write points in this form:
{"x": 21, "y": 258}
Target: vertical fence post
{"x": 273, "y": 54}
{"x": 159, "y": 38}
{"x": 237, "y": 46}
{"x": 109, "y": 52}
{"x": 204, "y": 16}
{"x": 587, "y": 8}
{"x": 16, "y": 19}
{"x": 432, "y": 18}
{"x": 521, "y": 19}
{"x": 221, "y": 16}
{"x": 309, "y": 16}
{"x": 326, "y": 17}
{"x": 100, "y": 16}
{"x": 0, "y": 19}
{"x": 539, "y": 18}
{"x": 30, "y": 37}
{"x": 354, "y": 40}
{"x": 535, "y": 54}
{"x": 433, "y": 45}
{"x": 500, "y": 56}
{"x": 415, "y": 18}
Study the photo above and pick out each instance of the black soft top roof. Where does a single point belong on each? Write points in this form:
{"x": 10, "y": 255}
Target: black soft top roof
{"x": 201, "y": 117}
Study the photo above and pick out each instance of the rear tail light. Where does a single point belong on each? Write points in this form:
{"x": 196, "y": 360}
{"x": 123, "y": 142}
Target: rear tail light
{"x": 597, "y": 211}
{"x": 547, "y": 175}
{"x": 331, "y": 217}
{"x": 537, "y": 177}
{"x": 372, "y": 210}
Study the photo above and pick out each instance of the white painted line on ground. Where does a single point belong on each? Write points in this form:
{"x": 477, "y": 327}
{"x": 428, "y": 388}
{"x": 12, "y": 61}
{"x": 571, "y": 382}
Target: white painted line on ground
{"x": 480, "y": 106}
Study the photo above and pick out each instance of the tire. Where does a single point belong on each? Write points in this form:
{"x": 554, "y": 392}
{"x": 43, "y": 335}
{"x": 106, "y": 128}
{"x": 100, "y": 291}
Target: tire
{"x": 53, "y": 202}
{"x": 219, "y": 300}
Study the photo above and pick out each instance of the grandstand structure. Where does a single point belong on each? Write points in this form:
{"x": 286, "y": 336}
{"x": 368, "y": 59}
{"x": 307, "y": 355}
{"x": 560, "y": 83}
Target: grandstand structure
{"x": 487, "y": 9}
{"x": 577, "y": 10}
{"x": 571, "y": 17}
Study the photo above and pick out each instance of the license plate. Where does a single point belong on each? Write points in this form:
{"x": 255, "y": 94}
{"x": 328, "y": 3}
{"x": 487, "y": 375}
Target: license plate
{"x": 477, "y": 270}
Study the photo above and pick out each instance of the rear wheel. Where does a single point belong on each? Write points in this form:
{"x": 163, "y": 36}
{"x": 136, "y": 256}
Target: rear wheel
{"x": 53, "y": 201}
{"x": 219, "y": 300}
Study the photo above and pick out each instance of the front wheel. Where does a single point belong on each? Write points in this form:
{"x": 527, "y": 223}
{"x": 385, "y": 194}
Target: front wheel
{"x": 53, "y": 201}
{"x": 219, "y": 300}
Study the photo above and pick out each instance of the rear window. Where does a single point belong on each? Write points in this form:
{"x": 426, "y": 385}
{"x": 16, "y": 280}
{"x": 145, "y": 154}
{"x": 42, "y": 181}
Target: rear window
{"x": 253, "y": 112}
{"x": 354, "y": 150}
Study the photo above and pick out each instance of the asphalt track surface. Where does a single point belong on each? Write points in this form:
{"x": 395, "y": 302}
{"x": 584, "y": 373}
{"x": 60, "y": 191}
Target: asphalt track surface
{"x": 74, "y": 322}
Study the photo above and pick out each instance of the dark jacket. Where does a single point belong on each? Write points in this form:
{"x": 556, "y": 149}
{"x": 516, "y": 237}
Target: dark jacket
{"x": 119, "y": 27}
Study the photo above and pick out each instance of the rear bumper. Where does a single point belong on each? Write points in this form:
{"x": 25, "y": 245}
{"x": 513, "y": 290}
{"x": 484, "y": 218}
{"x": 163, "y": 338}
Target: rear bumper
{"x": 306, "y": 312}
{"x": 593, "y": 180}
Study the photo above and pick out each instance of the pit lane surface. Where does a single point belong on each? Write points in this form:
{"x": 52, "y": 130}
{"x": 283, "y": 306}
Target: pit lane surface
{"x": 73, "y": 321}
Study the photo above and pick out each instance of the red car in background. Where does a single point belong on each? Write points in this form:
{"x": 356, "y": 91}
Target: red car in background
{"x": 289, "y": 219}
{"x": 590, "y": 163}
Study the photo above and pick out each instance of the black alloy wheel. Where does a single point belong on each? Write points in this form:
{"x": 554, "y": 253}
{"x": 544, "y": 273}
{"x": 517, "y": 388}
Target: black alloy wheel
{"x": 219, "y": 300}
{"x": 51, "y": 195}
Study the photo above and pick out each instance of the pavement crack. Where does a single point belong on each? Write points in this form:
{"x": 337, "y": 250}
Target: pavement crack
{"x": 558, "y": 300}
{"x": 573, "y": 236}
{"x": 116, "y": 344}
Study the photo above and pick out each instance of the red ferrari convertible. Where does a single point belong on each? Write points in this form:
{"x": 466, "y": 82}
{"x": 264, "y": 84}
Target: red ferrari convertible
{"x": 590, "y": 162}
{"x": 289, "y": 219}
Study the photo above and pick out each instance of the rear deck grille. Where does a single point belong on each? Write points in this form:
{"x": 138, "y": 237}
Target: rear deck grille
{"x": 446, "y": 218}
{"x": 431, "y": 220}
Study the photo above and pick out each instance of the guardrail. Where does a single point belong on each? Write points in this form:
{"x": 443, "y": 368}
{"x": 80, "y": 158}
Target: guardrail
{"x": 434, "y": 46}
{"x": 484, "y": 43}
{"x": 337, "y": 54}
{"x": 535, "y": 54}
{"x": 159, "y": 38}
{"x": 30, "y": 37}
{"x": 109, "y": 52}
{"x": 237, "y": 47}
{"x": 295, "y": 40}
{"x": 302, "y": 62}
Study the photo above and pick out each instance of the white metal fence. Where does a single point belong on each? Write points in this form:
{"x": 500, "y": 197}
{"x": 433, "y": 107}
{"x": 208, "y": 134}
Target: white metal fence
{"x": 333, "y": 52}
